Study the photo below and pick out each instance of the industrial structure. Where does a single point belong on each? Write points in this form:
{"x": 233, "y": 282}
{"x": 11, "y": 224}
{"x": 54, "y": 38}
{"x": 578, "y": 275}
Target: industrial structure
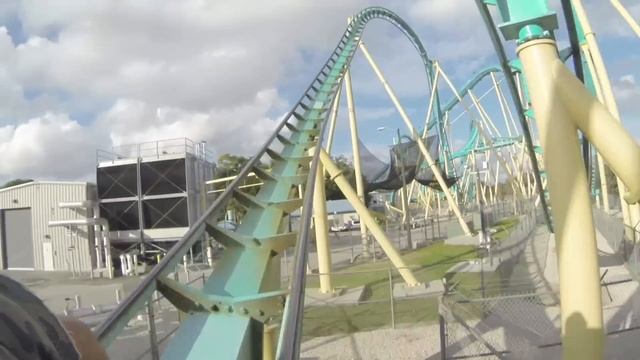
{"x": 27, "y": 241}
{"x": 151, "y": 193}
{"x": 73, "y": 226}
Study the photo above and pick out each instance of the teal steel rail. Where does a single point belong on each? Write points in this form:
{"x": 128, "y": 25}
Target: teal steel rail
{"x": 226, "y": 317}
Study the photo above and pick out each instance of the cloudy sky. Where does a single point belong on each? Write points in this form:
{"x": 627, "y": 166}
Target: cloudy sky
{"x": 79, "y": 75}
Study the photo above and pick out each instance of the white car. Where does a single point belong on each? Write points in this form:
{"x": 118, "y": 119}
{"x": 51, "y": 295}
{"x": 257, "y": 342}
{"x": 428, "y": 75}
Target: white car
{"x": 352, "y": 225}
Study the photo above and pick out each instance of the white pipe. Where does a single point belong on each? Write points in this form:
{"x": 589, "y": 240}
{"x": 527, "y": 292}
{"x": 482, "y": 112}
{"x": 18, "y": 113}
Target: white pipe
{"x": 123, "y": 264}
{"x": 135, "y": 264}
{"x": 76, "y": 204}
{"x": 105, "y": 246}
{"x": 129, "y": 264}
{"x": 210, "y": 256}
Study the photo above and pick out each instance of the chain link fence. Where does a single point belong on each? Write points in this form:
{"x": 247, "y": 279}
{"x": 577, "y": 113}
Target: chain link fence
{"x": 622, "y": 239}
{"x": 515, "y": 316}
{"x": 368, "y": 299}
{"x": 494, "y": 326}
{"x": 509, "y": 312}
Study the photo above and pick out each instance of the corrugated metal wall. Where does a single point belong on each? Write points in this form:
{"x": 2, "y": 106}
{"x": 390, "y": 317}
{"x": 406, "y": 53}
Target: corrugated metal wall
{"x": 70, "y": 251}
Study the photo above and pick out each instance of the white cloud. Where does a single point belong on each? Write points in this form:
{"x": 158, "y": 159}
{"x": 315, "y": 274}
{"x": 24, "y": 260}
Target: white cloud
{"x": 93, "y": 74}
{"x": 455, "y": 29}
{"x": 627, "y": 93}
{"x": 239, "y": 129}
{"x": 606, "y": 21}
{"x": 147, "y": 70}
{"x": 51, "y": 146}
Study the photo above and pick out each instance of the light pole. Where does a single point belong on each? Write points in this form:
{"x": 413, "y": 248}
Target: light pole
{"x": 403, "y": 193}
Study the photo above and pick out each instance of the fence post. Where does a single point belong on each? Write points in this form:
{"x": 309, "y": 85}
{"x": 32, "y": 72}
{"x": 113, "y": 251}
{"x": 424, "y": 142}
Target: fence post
{"x": 393, "y": 314}
{"x": 176, "y": 277}
{"x": 443, "y": 331}
{"x": 118, "y": 295}
{"x": 151, "y": 325}
{"x": 186, "y": 268}
{"x": 426, "y": 241}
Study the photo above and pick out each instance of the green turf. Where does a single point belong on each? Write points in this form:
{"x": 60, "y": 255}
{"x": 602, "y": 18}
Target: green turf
{"x": 428, "y": 263}
{"x": 504, "y": 227}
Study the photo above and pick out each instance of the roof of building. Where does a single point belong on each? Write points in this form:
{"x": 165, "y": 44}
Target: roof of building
{"x": 44, "y": 183}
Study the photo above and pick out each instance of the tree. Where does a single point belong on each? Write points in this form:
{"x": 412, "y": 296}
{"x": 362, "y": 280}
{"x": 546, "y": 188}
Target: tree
{"x": 230, "y": 165}
{"x": 15, "y": 182}
{"x": 330, "y": 187}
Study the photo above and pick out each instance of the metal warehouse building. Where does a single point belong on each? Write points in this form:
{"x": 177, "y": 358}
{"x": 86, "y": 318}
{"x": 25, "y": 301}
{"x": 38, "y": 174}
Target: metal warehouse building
{"x": 27, "y": 241}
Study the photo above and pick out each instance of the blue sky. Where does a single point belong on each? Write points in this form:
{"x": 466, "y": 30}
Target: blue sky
{"x": 76, "y": 75}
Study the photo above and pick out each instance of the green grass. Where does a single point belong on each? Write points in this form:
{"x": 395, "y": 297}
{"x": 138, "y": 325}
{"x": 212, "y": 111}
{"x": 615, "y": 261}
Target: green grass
{"x": 429, "y": 263}
{"x": 504, "y": 227}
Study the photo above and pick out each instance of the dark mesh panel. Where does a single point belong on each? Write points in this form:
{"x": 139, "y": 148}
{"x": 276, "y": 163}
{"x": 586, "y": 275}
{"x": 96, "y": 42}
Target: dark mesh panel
{"x": 163, "y": 177}
{"x": 403, "y": 158}
{"x": 117, "y": 181}
{"x": 165, "y": 213}
{"x": 121, "y": 215}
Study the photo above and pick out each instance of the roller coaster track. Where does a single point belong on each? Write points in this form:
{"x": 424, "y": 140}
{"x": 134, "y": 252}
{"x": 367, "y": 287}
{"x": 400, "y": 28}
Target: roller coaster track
{"x": 242, "y": 301}
{"x": 227, "y": 317}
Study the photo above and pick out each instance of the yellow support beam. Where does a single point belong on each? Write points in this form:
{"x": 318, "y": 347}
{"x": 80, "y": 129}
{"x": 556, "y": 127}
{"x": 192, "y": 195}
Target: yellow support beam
{"x": 323, "y": 245}
{"x": 601, "y": 77}
{"x": 357, "y": 168}
{"x": 416, "y": 136}
{"x": 626, "y": 16}
{"x": 365, "y": 217}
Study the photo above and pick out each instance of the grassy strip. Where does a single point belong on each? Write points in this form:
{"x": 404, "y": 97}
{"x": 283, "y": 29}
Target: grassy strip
{"x": 428, "y": 264}
{"x": 504, "y": 227}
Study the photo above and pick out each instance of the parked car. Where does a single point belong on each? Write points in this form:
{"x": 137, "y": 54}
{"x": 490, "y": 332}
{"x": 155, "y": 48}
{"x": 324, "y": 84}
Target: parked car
{"x": 353, "y": 224}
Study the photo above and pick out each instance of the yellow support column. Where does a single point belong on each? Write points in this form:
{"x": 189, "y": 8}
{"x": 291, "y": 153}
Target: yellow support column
{"x": 323, "y": 246}
{"x": 365, "y": 217}
{"x": 414, "y": 134}
{"x": 356, "y": 159}
{"x": 332, "y": 120}
{"x": 601, "y": 77}
{"x": 626, "y": 16}
{"x": 604, "y": 188}
{"x": 268, "y": 342}
{"x": 580, "y": 297}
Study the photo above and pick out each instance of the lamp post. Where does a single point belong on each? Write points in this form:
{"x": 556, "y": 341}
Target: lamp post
{"x": 403, "y": 193}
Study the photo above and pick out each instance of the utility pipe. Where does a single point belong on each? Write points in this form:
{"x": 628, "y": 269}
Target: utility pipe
{"x": 87, "y": 204}
{"x": 123, "y": 267}
{"x": 414, "y": 134}
{"x": 92, "y": 222}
